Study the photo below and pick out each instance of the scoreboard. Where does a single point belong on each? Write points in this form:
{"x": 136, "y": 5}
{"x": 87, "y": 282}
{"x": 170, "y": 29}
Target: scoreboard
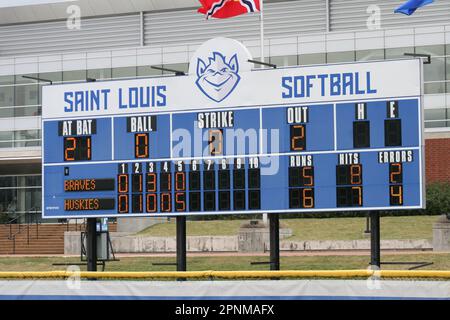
{"x": 228, "y": 139}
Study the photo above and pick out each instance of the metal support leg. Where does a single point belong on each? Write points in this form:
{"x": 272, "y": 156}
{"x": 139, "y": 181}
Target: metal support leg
{"x": 274, "y": 241}
{"x": 375, "y": 256}
{"x": 181, "y": 243}
{"x": 91, "y": 239}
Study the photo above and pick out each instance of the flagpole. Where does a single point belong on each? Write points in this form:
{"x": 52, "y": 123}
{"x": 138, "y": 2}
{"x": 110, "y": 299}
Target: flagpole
{"x": 261, "y": 19}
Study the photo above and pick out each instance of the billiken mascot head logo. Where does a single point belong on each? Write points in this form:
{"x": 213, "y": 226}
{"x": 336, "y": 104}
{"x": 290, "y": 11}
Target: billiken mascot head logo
{"x": 218, "y": 78}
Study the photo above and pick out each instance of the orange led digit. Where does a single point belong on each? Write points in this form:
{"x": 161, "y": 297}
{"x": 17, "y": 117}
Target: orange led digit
{"x": 180, "y": 201}
{"x": 308, "y": 198}
{"x": 70, "y": 149}
{"x": 396, "y": 173}
{"x": 123, "y": 203}
{"x": 359, "y": 194}
{"x": 151, "y": 202}
{"x": 151, "y": 182}
{"x": 89, "y": 148}
{"x": 166, "y": 200}
{"x": 123, "y": 183}
{"x": 215, "y": 140}
{"x": 355, "y": 174}
{"x": 297, "y": 140}
{"x": 141, "y": 145}
{"x": 308, "y": 177}
{"x": 180, "y": 181}
{"x": 396, "y": 194}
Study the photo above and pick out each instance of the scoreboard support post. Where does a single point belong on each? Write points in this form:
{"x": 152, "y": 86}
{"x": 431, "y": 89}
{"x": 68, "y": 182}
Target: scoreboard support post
{"x": 375, "y": 256}
{"x": 91, "y": 239}
{"x": 181, "y": 243}
{"x": 274, "y": 229}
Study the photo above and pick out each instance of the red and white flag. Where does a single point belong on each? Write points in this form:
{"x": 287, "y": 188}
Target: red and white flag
{"x": 222, "y": 9}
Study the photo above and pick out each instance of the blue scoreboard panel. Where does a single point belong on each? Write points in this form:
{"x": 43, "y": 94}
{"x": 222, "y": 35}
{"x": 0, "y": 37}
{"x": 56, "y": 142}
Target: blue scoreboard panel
{"x": 360, "y": 154}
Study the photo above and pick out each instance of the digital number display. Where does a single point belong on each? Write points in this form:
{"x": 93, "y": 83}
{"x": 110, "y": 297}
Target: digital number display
{"x": 298, "y": 137}
{"x": 393, "y": 132}
{"x": 395, "y": 184}
{"x": 349, "y": 196}
{"x": 141, "y": 147}
{"x": 301, "y": 176}
{"x": 349, "y": 190}
{"x": 361, "y": 134}
{"x": 77, "y": 148}
{"x": 349, "y": 174}
{"x": 301, "y": 198}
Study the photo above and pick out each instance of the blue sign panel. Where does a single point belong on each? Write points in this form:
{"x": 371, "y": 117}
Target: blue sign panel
{"x": 360, "y": 155}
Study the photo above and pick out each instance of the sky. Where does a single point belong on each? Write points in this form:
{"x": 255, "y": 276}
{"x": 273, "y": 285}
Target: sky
{"x": 19, "y": 3}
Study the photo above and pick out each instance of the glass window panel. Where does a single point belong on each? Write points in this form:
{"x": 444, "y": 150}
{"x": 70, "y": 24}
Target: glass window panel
{"x": 284, "y": 61}
{"x": 312, "y": 58}
{"x": 100, "y": 74}
{"x": 26, "y": 134}
{"x": 344, "y": 56}
{"x": 176, "y": 66}
{"x": 395, "y": 53}
{"x": 77, "y": 75}
{"x": 368, "y": 55}
{"x": 7, "y": 202}
{"x": 27, "y": 111}
{"x": 7, "y": 182}
{"x": 435, "y": 70}
{"x": 6, "y": 112}
{"x": 125, "y": 72}
{"x": 52, "y": 76}
{"x": 6, "y": 96}
{"x": 6, "y": 80}
{"x": 19, "y": 78}
{"x": 6, "y": 135}
{"x": 437, "y": 87}
{"x": 55, "y": 77}
{"x": 448, "y": 87}
{"x": 435, "y": 114}
{"x": 147, "y": 71}
{"x": 33, "y": 181}
{"x": 26, "y": 95}
{"x": 6, "y": 144}
{"x": 436, "y": 50}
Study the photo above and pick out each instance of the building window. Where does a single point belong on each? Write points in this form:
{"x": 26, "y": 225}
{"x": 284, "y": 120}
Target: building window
{"x": 6, "y": 139}
{"x": 125, "y": 72}
{"x": 72, "y": 76}
{"x": 312, "y": 58}
{"x": 369, "y": 55}
{"x": 100, "y": 74}
{"x": 147, "y": 71}
{"x": 396, "y": 53}
{"x": 183, "y": 67}
{"x": 437, "y": 118}
{"x": 336, "y": 57}
{"x": 20, "y": 139}
{"x": 20, "y": 196}
{"x": 284, "y": 61}
{"x": 6, "y": 92}
{"x": 26, "y": 91}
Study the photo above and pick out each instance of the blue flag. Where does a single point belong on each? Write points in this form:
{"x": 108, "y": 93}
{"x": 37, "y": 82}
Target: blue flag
{"x": 409, "y": 7}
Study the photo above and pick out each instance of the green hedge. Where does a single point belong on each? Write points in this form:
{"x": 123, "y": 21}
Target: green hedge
{"x": 437, "y": 199}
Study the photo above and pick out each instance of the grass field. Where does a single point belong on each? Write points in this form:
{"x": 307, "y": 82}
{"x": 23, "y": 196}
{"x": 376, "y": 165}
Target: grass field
{"x": 413, "y": 227}
{"x": 441, "y": 262}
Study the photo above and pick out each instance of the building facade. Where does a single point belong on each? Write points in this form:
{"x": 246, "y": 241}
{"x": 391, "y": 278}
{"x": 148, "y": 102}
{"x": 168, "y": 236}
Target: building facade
{"x": 124, "y": 38}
